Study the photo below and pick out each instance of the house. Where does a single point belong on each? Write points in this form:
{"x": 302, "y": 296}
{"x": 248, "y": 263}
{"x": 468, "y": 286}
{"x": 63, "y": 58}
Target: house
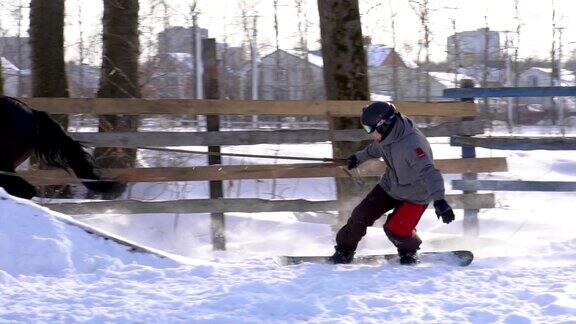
{"x": 17, "y": 50}
{"x": 397, "y": 77}
{"x": 83, "y": 80}
{"x": 169, "y": 75}
{"x": 389, "y": 73}
{"x": 542, "y": 77}
{"x": 390, "y": 76}
{"x": 178, "y": 39}
{"x": 17, "y": 82}
{"x": 494, "y": 77}
{"x": 300, "y": 76}
{"x": 471, "y": 47}
{"x": 287, "y": 75}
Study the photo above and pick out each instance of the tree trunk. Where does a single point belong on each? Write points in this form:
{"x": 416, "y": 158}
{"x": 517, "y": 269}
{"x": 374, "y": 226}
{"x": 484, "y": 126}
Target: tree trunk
{"x": 119, "y": 76}
{"x": 47, "y": 42}
{"x": 345, "y": 78}
{"x": 1, "y": 79}
{"x": 48, "y": 68}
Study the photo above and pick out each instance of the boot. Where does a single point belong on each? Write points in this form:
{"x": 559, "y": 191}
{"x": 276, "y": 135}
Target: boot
{"x": 408, "y": 257}
{"x": 341, "y": 256}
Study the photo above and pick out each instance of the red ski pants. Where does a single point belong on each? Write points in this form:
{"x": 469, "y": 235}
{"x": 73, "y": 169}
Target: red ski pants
{"x": 400, "y": 227}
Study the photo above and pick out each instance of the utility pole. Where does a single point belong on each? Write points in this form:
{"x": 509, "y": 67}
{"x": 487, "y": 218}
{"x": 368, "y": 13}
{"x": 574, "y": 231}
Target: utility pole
{"x": 197, "y": 56}
{"x": 456, "y": 53}
{"x": 508, "y": 81}
{"x": 395, "y": 81}
{"x": 553, "y": 62}
{"x": 560, "y": 99}
{"x": 254, "y": 56}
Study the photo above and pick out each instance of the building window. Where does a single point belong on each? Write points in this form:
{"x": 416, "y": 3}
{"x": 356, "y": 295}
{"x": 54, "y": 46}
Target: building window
{"x": 532, "y": 81}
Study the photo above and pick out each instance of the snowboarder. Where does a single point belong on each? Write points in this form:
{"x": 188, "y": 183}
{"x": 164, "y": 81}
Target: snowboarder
{"x": 409, "y": 184}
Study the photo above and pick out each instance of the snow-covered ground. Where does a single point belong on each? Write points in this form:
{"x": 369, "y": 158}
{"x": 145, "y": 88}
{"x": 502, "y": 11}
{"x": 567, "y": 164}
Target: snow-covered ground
{"x": 524, "y": 269}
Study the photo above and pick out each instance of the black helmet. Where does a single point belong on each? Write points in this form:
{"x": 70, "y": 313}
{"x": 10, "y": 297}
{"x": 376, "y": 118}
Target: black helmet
{"x": 378, "y": 116}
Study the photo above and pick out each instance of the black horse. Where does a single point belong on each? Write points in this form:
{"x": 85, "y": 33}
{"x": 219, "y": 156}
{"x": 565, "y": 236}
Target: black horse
{"x": 24, "y": 131}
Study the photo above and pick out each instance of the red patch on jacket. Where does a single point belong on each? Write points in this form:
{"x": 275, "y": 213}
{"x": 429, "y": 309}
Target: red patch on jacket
{"x": 420, "y": 152}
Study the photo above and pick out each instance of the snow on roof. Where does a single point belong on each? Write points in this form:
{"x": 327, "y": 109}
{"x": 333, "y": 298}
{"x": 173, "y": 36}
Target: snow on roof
{"x": 313, "y": 57}
{"x": 476, "y": 72}
{"x": 380, "y": 97}
{"x": 376, "y": 55}
{"x": 7, "y": 65}
{"x": 447, "y": 79}
{"x": 568, "y": 76}
{"x": 316, "y": 60}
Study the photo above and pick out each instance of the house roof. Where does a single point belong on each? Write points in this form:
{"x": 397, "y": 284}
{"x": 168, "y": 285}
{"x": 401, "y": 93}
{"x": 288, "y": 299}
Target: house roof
{"x": 313, "y": 57}
{"x": 447, "y": 79}
{"x": 376, "y": 55}
{"x": 476, "y": 72}
{"x": 7, "y": 65}
{"x": 568, "y": 77}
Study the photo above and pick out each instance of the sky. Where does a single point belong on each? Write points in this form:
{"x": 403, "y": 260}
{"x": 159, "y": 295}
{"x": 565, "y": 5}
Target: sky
{"x": 223, "y": 19}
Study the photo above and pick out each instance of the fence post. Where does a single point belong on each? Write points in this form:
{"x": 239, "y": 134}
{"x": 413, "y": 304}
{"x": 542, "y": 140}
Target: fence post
{"x": 211, "y": 91}
{"x": 471, "y": 223}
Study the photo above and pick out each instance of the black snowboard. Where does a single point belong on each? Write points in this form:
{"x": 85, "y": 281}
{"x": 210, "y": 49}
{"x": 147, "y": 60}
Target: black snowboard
{"x": 458, "y": 257}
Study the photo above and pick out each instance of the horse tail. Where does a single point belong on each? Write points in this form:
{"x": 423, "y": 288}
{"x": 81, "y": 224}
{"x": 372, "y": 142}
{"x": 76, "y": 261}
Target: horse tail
{"x": 56, "y": 148}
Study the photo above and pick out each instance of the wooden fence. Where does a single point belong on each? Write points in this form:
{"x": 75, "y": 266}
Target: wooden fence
{"x": 514, "y": 142}
{"x": 453, "y": 110}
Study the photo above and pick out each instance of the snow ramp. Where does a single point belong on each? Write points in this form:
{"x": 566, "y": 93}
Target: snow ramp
{"x": 35, "y": 240}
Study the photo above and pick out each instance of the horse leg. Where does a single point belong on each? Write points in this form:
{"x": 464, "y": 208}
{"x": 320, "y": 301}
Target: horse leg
{"x": 15, "y": 185}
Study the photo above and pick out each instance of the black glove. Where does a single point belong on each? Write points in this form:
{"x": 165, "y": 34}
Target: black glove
{"x": 352, "y": 162}
{"x": 444, "y": 210}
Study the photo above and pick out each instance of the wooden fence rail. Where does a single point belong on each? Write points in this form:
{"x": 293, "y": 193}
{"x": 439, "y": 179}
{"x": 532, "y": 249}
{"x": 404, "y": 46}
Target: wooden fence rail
{"x": 271, "y": 171}
{"x": 517, "y": 143}
{"x": 510, "y": 92}
{"x": 504, "y": 185}
{"x": 140, "y": 139}
{"x": 337, "y": 108}
{"x": 245, "y": 205}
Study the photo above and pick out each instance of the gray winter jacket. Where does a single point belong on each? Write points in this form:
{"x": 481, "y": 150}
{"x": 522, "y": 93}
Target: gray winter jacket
{"x": 410, "y": 174}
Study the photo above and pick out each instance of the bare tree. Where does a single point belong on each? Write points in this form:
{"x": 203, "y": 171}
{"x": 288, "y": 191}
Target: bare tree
{"x": 553, "y": 63}
{"x": 119, "y": 78}
{"x": 395, "y": 81}
{"x": 19, "y": 16}
{"x": 81, "y": 53}
{"x": 456, "y": 63}
{"x": 303, "y": 47}
{"x": 1, "y": 78}
{"x": 48, "y": 68}
{"x": 246, "y": 44}
{"x": 1, "y": 65}
{"x": 422, "y": 9}
{"x": 345, "y": 78}
{"x": 47, "y": 31}
{"x": 516, "y": 65}
{"x": 486, "y": 54}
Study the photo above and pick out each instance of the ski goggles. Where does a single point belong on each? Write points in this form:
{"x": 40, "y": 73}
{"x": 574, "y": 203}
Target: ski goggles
{"x": 370, "y": 129}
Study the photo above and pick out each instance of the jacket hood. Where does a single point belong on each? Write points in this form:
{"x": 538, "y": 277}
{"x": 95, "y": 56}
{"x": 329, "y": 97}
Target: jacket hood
{"x": 401, "y": 128}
